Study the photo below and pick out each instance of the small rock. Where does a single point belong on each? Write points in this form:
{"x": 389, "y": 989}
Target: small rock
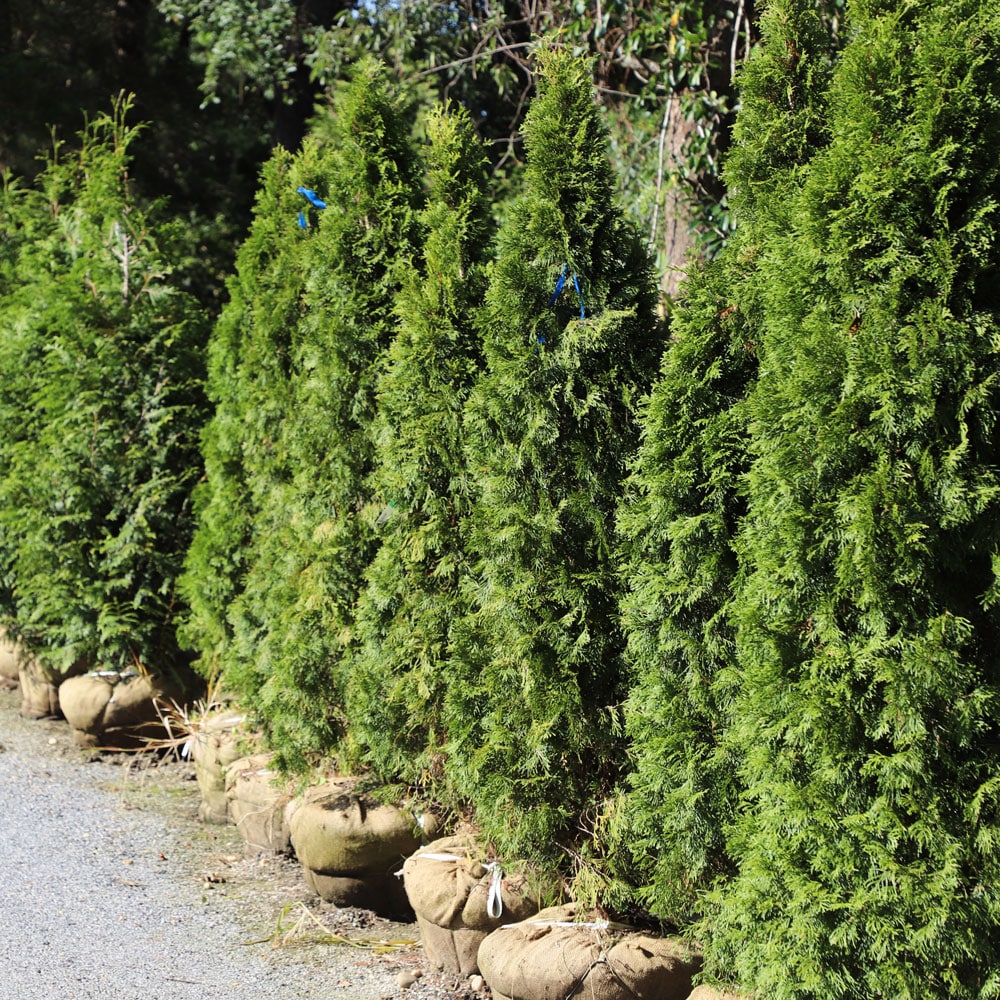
{"x": 476, "y": 983}
{"x": 406, "y": 978}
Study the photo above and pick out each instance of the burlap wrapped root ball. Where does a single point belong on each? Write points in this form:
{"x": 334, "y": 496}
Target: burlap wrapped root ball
{"x": 351, "y": 847}
{"x": 110, "y": 709}
{"x": 257, "y": 797}
{"x": 39, "y": 692}
{"x": 715, "y": 993}
{"x": 215, "y": 745}
{"x": 9, "y": 669}
{"x": 458, "y": 899}
{"x": 557, "y": 954}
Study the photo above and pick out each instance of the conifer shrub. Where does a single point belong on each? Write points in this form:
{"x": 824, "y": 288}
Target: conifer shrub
{"x": 102, "y": 406}
{"x": 571, "y": 342}
{"x": 400, "y": 668}
{"x": 248, "y": 381}
{"x": 686, "y": 498}
{"x": 314, "y": 533}
{"x": 867, "y": 714}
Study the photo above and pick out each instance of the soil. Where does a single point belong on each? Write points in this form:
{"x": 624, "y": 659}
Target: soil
{"x": 265, "y": 894}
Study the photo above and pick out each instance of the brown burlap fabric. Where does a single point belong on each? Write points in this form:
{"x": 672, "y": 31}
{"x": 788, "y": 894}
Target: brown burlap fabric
{"x": 39, "y": 694}
{"x": 8, "y": 658}
{"x": 336, "y": 832}
{"x": 556, "y": 955}
{"x": 113, "y": 710}
{"x": 257, "y": 800}
{"x": 215, "y": 745}
{"x": 350, "y": 845}
{"x": 449, "y": 889}
{"x": 381, "y": 893}
{"x": 714, "y": 993}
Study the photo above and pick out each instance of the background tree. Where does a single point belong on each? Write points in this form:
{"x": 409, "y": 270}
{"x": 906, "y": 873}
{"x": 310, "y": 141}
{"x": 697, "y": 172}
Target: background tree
{"x": 60, "y": 61}
{"x": 531, "y": 709}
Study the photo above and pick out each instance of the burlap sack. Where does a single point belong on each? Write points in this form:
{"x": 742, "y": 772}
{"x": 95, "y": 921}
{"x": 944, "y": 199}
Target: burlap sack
{"x": 381, "y": 893}
{"x": 113, "y": 710}
{"x": 336, "y": 832}
{"x": 554, "y": 955}
{"x": 8, "y": 661}
{"x": 215, "y": 745}
{"x": 257, "y": 800}
{"x": 39, "y": 694}
{"x": 714, "y": 993}
{"x": 350, "y": 846}
{"x": 449, "y": 889}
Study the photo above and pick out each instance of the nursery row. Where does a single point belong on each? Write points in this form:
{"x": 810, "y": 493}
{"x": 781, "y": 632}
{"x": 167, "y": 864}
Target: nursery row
{"x": 697, "y": 614}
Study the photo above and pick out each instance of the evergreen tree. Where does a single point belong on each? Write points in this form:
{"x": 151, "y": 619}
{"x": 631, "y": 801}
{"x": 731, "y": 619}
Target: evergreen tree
{"x": 686, "y": 497}
{"x": 412, "y": 594}
{"x": 868, "y": 716}
{"x": 314, "y": 537}
{"x": 571, "y": 341}
{"x": 104, "y": 355}
{"x": 248, "y": 385}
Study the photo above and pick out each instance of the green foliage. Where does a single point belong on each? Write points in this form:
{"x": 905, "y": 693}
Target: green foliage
{"x": 866, "y": 714}
{"x": 534, "y": 737}
{"x": 242, "y": 44}
{"x": 102, "y": 406}
{"x": 684, "y": 502}
{"x": 313, "y": 530}
{"x": 248, "y": 385}
{"x": 400, "y": 670}
{"x": 687, "y": 496}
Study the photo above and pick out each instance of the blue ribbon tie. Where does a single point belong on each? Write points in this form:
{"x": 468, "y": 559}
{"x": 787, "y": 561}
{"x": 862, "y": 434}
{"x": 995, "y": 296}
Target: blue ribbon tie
{"x": 559, "y": 287}
{"x": 312, "y": 196}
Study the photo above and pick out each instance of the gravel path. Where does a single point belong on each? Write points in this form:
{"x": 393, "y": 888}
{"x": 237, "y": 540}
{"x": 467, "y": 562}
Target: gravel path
{"x": 105, "y": 894}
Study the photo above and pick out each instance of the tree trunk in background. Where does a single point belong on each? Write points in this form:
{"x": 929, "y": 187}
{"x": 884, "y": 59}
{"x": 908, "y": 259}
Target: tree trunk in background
{"x": 672, "y": 233}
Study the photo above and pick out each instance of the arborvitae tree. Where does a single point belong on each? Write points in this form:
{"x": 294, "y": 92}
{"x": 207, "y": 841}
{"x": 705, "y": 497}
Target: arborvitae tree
{"x": 869, "y": 717}
{"x": 248, "y": 384}
{"x": 400, "y": 669}
{"x": 314, "y": 536}
{"x": 571, "y": 343}
{"x": 101, "y": 438}
{"x": 686, "y": 497}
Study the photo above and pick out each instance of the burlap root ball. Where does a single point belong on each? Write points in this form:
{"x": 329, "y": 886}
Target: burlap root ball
{"x": 215, "y": 745}
{"x": 714, "y": 993}
{"x": 9, "y": 669}
{"x": 115, "y": 710}
{"x": 257, "y": 800}
{"x": 350, "y": 846}
{"x": 449, "y": 889}
{"x": 39, "y": 693}
{"x": 555, "y": 954}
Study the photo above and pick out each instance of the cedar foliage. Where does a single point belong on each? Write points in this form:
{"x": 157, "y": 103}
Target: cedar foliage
{"x": 102, "y": 407}
{"x": 400, "y": 669}
{"x": 531, "y": 708}
{"x": 686, "y": 497}
{"x": 313, "y": 533}
{"x": 867, "y": 716}
{"x": 247, "y": 385}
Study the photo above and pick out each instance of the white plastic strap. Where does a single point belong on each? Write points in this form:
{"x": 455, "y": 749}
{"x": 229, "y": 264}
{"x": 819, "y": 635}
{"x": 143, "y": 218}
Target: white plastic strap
{"x": 431, "y": 856}
{"x": 596, "y": 925}
{"x": 494, "y": 901}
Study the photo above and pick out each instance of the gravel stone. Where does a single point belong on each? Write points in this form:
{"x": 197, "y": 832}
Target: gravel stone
{"x": 110, "y": 889}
